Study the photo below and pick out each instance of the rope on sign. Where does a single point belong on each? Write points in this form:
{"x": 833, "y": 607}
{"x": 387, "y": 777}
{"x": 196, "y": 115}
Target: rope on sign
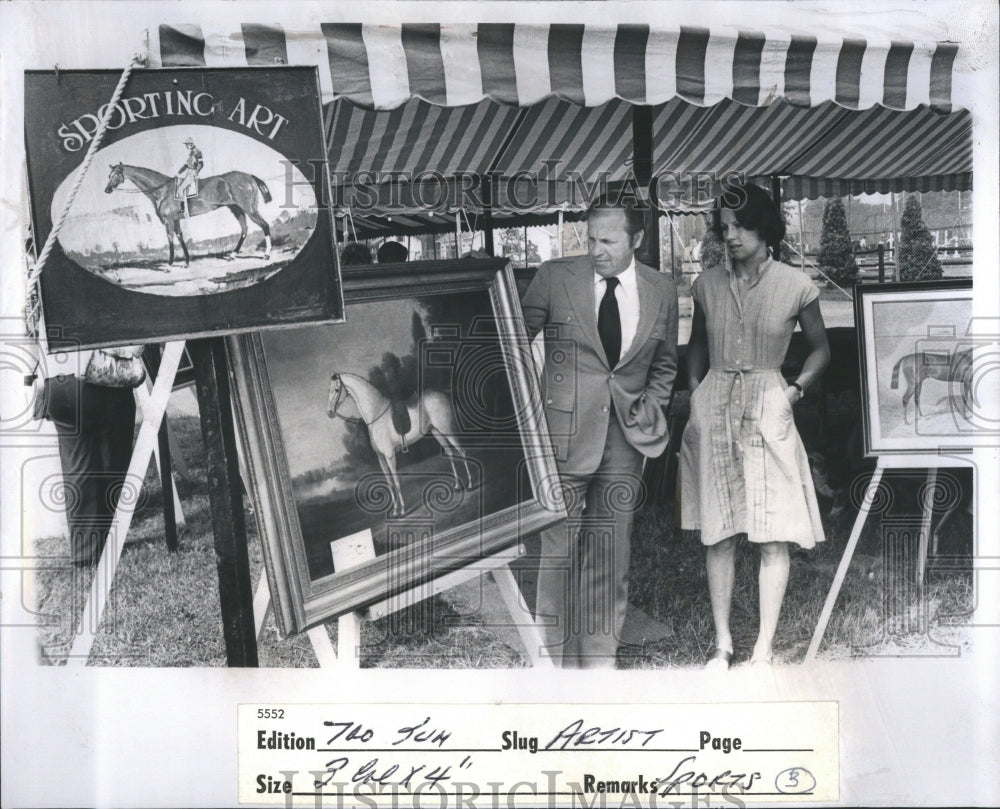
{"x": 84, "y": 168}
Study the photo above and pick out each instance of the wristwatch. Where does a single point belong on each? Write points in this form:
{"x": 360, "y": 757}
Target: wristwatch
{"x": 798, "y": 387}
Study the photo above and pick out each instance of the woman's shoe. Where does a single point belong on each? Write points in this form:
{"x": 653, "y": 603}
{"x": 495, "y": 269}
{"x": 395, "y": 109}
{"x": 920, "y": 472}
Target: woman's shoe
{"x": 719, "y": 660}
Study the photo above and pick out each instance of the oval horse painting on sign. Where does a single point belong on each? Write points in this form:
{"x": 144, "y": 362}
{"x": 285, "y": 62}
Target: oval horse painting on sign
{"x": 187, "y": 210}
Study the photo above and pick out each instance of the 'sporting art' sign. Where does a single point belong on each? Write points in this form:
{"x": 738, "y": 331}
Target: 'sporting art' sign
{"x": 204, "y": 212}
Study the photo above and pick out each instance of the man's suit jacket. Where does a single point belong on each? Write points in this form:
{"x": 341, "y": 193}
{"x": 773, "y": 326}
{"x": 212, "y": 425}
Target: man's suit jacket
{"x": 578, "y": 387}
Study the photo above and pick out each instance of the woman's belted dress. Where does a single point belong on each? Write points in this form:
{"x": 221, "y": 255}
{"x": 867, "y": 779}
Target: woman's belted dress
{"x": 743, "y": 468}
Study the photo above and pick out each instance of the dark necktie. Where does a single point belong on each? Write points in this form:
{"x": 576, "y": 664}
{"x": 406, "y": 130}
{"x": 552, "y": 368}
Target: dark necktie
{"x": 609, "y": 323}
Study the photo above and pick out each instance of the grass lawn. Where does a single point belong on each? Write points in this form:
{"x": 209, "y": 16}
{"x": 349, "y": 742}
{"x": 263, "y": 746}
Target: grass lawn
{"x": 164, "y": 609}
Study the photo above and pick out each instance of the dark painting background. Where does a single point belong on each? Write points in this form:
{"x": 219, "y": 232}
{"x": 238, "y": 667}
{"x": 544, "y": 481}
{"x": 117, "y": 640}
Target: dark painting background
{"x": 446, "y": 343}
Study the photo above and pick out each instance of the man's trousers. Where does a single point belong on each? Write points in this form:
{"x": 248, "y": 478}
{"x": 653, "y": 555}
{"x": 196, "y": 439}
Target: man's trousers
{"x": 584, "y": 565}
{"x": 95, "y": 426}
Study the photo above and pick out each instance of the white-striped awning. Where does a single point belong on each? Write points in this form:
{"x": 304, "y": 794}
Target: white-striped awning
{"x": 380, "y": 66}
{"x": 557, "y": 137}
{"x": 421, "y": 156}
{"x": 816, "y": 187}
{"x": 418, "y": 114}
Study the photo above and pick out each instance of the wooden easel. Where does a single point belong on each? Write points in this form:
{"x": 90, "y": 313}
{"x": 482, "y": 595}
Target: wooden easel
{"x": 347, "y": 654}
{"x": 173, "y": 513}
{"x": 225, "y": 494}
{"x": 932, "y": 464}
{"x": 153, "y": 405}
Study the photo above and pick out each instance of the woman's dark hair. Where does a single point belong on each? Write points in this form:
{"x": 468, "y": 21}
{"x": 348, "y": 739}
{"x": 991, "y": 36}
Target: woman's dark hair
{"x": 754, "y": 210}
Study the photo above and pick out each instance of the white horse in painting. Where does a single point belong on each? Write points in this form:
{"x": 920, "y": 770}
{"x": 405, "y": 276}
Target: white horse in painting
{"x": 432, "y": 414}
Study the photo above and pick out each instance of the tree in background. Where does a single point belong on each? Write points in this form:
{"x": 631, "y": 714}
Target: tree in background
{"x": 917, "y": 255}
{"x": 512, "y": 247}
{"x": 713, "y": 251}
{"x": 836, "y": 256}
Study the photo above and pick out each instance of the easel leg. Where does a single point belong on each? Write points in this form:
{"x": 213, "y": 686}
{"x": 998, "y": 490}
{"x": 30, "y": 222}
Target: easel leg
{"x": 261, "y": 606}
{"x": 142, "y": 400}
{"x": 174, "y": 471}
{"x": 141, "y": 453}
{"x": 323, "y": 647}
{"x": 167, "y": 486}
{"x": 925, "y": 524}
{"x": 348, "y": 653}
{"x": 348, "y": 633}
{"x": 177, "y": 457}
{"x": 226, "y": 498}
{"x": 845, "y": 563}
{"x": 153, "y": 353}
{"x": 531, "y": 636}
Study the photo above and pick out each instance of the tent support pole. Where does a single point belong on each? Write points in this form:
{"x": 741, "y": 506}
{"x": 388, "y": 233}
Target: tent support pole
{"x": 802, "y": 239}
{"x": 895, "y": 237}
{"x": 642, "y": 144}
{"x": 776, "y": 196}
{"x": 642, "y": 169}
{"x": 653, "y": 238}
{"x": 670, "y": 217}
{"x": 488, "y": 214}
{"x": 559, "y": 215}
{"x": 458, "y": 234}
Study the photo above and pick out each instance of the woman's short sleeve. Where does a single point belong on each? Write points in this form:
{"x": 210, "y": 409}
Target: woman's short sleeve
{"x": 808, "y": 291}
{"x": 696, "y": 290}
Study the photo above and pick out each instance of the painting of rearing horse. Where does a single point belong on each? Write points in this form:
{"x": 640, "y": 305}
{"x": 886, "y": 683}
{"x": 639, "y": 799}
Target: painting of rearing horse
{"x": 430, "y": 413}
{"x": 238, "y": 191}
{"x": 948, "y": 367}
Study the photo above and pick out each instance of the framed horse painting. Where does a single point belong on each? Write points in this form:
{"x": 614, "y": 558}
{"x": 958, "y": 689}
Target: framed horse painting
{"x": 396, "y": 447}
{"x": 204, "y": 210}
{"x": 928, "y": 368}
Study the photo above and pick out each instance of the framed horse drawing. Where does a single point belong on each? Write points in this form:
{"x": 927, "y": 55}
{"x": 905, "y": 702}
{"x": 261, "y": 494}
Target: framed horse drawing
{"x": 928, "y": 368}
{"x": 203, "y": 212}
{"x": 415, "y": 424}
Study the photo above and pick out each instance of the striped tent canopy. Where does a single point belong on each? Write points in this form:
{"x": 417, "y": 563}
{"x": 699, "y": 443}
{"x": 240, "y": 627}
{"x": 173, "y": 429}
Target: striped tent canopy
{"x": 384, "y": 66}
{"x": 419, "y": 115}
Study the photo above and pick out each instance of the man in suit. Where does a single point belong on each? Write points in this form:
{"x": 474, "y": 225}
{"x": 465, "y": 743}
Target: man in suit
{"x": 610, "y": 330}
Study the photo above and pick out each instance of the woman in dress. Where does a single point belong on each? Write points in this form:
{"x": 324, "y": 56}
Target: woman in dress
{"x": 743, "y": 466}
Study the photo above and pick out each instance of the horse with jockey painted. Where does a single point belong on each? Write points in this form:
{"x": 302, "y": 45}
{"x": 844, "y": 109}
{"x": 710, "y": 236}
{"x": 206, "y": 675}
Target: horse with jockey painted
{"x": 238, "y": 191}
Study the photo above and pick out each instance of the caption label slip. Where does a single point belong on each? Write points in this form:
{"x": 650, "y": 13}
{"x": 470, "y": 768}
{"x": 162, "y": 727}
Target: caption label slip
{"x": 724, "y": 754}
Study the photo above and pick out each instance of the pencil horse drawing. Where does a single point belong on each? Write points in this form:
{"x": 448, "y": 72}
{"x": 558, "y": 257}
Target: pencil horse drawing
{"x": 945, "y": 366}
